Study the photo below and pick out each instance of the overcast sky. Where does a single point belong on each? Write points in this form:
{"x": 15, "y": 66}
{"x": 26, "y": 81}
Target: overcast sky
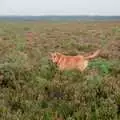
{"x": 59, "y": 7}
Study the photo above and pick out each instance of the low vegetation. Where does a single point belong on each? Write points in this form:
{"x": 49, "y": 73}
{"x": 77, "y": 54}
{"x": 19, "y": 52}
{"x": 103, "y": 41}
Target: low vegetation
{"x": 31, "y": 86}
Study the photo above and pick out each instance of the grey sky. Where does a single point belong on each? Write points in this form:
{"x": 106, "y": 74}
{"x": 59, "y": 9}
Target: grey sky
{"x": 60, "y": 7}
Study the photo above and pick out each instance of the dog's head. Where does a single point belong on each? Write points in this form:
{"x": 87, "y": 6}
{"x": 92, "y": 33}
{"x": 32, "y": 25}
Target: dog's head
{"x": 55, "y": 57}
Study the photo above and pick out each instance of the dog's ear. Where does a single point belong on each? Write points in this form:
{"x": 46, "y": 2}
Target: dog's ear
{"x": 58, "y": 54}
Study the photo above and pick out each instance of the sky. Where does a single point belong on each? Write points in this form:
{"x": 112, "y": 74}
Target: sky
{"x": 59, "y": 7}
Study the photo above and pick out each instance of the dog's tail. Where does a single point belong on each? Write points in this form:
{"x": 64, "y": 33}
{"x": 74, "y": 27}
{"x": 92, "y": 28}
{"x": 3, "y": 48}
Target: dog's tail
{"x": 95, "y": 54}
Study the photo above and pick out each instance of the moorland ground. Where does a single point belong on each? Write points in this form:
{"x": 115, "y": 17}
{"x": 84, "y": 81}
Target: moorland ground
{"x": 31, "y": 86}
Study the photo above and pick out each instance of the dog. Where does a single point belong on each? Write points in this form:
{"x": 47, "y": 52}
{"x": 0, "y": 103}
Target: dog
{"x": 78, "y": 62}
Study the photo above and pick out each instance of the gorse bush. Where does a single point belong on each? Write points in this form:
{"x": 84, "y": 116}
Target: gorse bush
{"x": 47, "y": 69}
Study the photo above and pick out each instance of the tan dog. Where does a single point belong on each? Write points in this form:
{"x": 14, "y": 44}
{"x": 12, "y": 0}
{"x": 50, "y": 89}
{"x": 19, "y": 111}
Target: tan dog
{"x": 78, "y": 62}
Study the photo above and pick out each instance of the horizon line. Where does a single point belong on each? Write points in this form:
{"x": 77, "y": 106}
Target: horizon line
{"x": 58, "y": 15}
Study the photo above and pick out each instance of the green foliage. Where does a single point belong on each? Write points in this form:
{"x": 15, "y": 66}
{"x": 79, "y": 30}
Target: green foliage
{"x": 103, "y": 66}
{"x": 116, "y": 29}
